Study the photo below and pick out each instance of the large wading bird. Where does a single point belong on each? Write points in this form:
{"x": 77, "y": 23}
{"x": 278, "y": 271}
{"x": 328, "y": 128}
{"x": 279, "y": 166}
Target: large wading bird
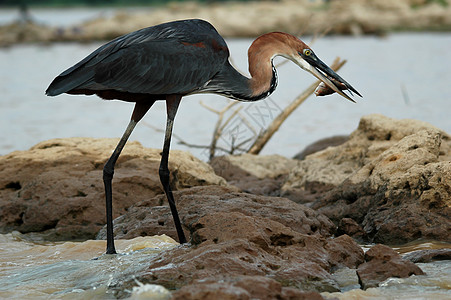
{"x": 172, "y": 60}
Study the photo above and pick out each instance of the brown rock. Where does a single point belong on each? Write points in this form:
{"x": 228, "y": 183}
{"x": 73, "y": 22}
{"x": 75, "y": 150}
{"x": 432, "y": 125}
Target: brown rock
{"x": 145, "y": 218}
{"x": 381, "y": 263}
{"x": 343, "y": 253}
{"x": 235, "y": 234}
{"x": 399, "y": 189}
{"x": 56, "y": 187}
{"x": 324, "y": 170}
{"x": 305, "y": 264}
{"x": 244, "y": 287}
{"x": 321, "y": 145}
{"x": 255, "y": 174}
{"x": 211, "y": 290}
{"x": 352, "y": 228}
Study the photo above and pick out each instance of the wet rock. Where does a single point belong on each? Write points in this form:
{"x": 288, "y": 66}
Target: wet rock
{"x": 382, "y": 262}
{"x": 352, "y": 228}
{"x": 56, "y": 187}
{"x": 148, "y": 217}
{"x": 425, "y": 256}
{"x": 244, "y": 287}
{"x": 346, "y": 279}
{"x": 255, "y": 174}
{"x": 234, "y": 234}
{"x": 292, "y": 259}
{"x": 343, "y": 253}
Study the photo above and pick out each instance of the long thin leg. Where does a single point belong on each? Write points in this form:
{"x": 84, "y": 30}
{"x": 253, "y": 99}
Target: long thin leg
{"x": 108, "y": 172}
{"x": 172, "y": 103}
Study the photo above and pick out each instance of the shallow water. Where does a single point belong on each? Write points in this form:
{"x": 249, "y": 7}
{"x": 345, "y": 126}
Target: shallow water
{"x": 80, "y": 270}
{"x": 435, "y": 284}
{"x": 72, "y": 270}
{"x": 400, "y": 76}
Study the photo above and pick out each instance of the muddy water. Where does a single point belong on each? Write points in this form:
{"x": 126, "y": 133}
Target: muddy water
{"x": 80, "y": 270}
{"x": 435, "y": 284}
{"x": 74, "y": 270}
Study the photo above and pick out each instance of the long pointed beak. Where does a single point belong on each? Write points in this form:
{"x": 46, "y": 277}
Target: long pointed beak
{"x": 324, "y": 73}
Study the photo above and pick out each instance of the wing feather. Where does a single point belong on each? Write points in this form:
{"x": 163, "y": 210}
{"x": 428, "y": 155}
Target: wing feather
{"x": 172, "y": 58}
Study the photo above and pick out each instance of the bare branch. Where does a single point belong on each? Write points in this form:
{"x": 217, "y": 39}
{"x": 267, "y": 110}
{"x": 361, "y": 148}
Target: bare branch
{"x": 218, "y": 128}
{"x": 209, "y": 108}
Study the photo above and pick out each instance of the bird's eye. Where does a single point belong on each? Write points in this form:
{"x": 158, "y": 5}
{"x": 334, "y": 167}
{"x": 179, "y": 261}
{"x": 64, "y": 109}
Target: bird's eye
{"x": 307, "y": 52}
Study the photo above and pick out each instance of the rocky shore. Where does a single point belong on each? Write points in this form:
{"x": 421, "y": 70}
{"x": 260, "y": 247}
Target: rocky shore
{"x": 251, "y": 19}
{"x": 260, "y": 227}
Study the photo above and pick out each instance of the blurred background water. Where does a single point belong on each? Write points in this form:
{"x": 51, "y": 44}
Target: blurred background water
{"x": 403, "y": 75}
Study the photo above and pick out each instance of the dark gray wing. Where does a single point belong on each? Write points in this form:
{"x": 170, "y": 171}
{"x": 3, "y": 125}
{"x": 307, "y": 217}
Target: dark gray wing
{"x": 171, "y": 58}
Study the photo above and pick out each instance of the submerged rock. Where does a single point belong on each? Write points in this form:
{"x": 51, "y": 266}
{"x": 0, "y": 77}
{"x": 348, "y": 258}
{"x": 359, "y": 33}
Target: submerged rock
{"x": 428, "y": 255}
{"x": 382, "y": 262}
{"x": 56, "y": 187}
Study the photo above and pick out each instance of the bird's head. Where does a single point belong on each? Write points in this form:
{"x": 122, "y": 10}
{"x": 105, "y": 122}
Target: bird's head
{"x": 303, "y": 56}
{"x": 307, "y": 60}
{"x": 286, "y": 45}
{"x": 294, "y": 49}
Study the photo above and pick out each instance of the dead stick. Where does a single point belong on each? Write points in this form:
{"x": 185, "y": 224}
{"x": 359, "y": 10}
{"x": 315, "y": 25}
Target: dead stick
{"x": 218, "y": 128}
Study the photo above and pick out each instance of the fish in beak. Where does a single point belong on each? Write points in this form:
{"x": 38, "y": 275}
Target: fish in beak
{"x": 331, "y": 81}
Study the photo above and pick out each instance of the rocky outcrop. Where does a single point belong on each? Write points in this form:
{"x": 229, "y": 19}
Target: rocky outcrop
{"x": 382, "y": 262}
{"x": 375, "y": 134}
{"x": 56, "y": 187}
{"x": 235, "y": 236}
{"x": 389, "y": 183}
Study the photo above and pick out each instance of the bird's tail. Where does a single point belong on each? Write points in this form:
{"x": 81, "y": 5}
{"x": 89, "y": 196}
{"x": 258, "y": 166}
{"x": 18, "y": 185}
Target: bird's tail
{"x": 67, "y": 81}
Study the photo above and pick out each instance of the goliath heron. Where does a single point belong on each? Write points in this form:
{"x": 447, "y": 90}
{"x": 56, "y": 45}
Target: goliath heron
{"x": 172, "y": 60}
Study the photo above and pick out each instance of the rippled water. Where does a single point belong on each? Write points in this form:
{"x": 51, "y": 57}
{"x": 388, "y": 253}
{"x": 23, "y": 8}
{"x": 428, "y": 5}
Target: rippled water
{"x": 80, "y": 270}
{"x": 435, "y": 285}
{"x": 72, "y": 270}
